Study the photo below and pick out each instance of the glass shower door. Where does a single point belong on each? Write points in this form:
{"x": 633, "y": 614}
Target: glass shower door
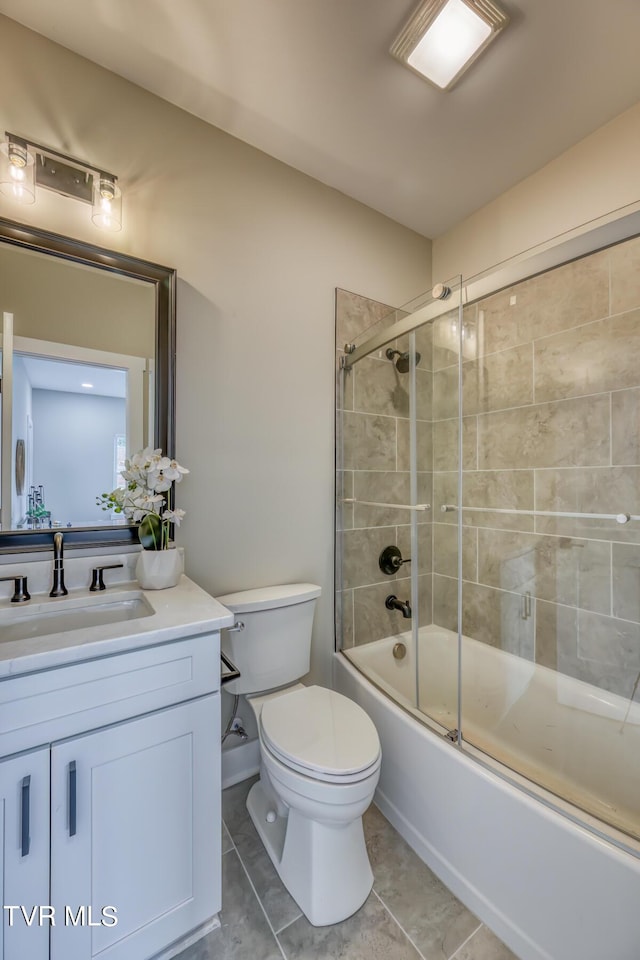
{"x": 551, "y": 532}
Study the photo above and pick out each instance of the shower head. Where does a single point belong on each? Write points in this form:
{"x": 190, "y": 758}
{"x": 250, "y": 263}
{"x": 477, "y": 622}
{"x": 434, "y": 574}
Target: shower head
{"x": 404, "y": 359}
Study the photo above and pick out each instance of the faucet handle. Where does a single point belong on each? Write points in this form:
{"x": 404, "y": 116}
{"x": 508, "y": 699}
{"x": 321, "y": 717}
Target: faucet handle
{"x": 97, "y": 582}
{"x": 20, "y": 592}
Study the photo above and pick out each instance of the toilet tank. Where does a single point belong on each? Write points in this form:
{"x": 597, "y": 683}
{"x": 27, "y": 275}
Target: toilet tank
{"x": 273, "y": 647}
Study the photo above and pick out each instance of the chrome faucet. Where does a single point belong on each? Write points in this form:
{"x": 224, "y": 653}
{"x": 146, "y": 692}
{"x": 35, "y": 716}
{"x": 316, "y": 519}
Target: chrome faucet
{"x": 392, "y": 603}
{"x": 58, "y": 589}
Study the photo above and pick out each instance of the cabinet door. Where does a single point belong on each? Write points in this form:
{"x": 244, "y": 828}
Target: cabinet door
{"x": 135, "y": 826}
{"x": 24, "y": 855}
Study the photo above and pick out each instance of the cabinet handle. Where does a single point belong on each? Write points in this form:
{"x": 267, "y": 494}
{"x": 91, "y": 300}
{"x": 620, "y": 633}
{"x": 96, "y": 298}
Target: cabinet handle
{"x": 25, "y": 839}
{"x": 72, "y": 799}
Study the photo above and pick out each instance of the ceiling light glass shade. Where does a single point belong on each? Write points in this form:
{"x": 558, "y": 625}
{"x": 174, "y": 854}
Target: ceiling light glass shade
{"x": 444, "y": 37}
{"x": 107, "y": 203}
{"x": 17, "y": 172}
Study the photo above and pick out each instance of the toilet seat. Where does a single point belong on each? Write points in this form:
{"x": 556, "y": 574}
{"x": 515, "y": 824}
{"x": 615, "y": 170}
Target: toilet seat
{"x": 321, "y": 734}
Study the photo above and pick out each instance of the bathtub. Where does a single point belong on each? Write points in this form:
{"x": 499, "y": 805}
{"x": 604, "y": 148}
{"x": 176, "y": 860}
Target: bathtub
{"x": 545, "y": 874}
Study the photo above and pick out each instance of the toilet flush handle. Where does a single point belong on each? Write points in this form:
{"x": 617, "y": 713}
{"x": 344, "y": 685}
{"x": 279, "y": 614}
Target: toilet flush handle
{"x": 238, "y": 625}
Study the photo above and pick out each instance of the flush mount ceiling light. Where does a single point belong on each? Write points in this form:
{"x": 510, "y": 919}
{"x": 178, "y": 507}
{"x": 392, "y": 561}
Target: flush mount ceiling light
{"x": 25, "y": 165}
{"x": 444, "y": 37}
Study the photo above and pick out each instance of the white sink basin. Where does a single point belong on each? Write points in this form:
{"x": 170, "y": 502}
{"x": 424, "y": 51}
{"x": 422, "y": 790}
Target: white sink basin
{"x": 61, "y": 614}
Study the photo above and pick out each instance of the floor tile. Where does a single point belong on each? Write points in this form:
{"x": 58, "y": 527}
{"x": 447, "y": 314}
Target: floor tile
{"x": 227, "y": 842}
{"x": 432, "y": 916}
{"x": 245, "y": 933}
{"x": 484, "y": 945}
{"x": 279, "y": 906}
{"x": 370, "y": 934}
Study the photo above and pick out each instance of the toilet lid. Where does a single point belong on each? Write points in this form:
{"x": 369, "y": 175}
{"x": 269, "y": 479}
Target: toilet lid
{"x": 320, "y": 731}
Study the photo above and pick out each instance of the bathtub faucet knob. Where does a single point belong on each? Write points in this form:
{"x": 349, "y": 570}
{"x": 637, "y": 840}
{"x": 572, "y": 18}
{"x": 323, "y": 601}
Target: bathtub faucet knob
{"x": 392, "y": 603}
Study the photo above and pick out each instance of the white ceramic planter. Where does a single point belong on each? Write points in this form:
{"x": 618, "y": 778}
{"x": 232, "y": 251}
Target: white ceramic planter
{"x": 158, "y": 569}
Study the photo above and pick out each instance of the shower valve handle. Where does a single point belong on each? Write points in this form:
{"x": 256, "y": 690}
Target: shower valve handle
{"x": 390, "y": 560}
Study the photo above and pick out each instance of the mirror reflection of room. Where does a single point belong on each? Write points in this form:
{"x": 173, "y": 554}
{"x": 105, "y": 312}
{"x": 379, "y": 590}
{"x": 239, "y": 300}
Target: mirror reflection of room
{"x": 78, "y": 353}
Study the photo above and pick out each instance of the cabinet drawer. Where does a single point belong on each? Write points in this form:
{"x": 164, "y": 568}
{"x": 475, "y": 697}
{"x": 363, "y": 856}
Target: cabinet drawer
{"x": 41, "y": 707}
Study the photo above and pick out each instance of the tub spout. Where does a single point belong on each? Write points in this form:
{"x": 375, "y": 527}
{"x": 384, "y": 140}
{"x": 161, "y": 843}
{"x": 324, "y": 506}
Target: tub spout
{"x": 392, "y": 603}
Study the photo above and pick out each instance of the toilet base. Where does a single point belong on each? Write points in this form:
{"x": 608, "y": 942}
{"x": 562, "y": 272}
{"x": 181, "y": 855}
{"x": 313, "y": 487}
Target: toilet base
{"x": 324, "y": 866}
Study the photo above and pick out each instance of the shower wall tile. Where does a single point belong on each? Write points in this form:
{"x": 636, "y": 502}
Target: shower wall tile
{"x": 445, "y": 444}
{"x": 445, "y": 340}
{"x": 371, "y": 619}
{"x": 445, "y": 393}
{"x": 556, "y": 629}
{"x": 362, "y": 549}
{"x": 625, "y": 426}
{"x": 560, "y": 299}
{"x": 424, "y": 345}
{"x": 603, "y": 651}
{"x": 560, "y": 569}
{"x": 445, "y": 491}
{"x": 497, "y": 618}
{"x": 344, "y": 490}
{"x": 609, "y": 490}
{"x": 609, "y": 642}
{"x": 596, "y": 358}
{"x": 568, "y": 433}
{"x": 424, "y": 451}
{"x": 626, "y": 581}
{"x": 625, "y": 276}
{"x": 446, "y": 337}
{"x": 344, "y": 616}
{"x": 498, "y": 381}
{"x": 380, "y": 487}
{"x": 347, "y": 391}
{"x": 425, "y": 548}
{"x": 445, "y": 551}
{"x": 502, "y": 489}
{"x": 369, "y": 442}
{"x": 445, "y": 602}
{"x": 379, "y": 388}
{"x": 491, "y": 616}
{"x": 355, "y": 314}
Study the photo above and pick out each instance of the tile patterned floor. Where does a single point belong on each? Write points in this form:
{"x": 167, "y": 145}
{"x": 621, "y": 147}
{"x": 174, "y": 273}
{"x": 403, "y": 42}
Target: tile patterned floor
{"x": 409, "y": 915}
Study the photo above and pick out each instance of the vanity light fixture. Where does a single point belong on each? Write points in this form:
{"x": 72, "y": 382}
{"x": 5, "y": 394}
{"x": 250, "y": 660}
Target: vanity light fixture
{"x": 25, "y": 165}
{"x": 444, "y": 37}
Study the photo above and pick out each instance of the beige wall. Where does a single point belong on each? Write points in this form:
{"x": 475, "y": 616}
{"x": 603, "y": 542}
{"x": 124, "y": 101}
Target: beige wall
{"x": 63, "y": 302}
{"x": 259, "y": 249}
{"x": 591, "y": 180}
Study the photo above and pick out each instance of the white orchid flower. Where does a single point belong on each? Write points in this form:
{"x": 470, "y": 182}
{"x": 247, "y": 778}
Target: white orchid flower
{"x": 173, "y": 516}
{"x": 148, "y": 476}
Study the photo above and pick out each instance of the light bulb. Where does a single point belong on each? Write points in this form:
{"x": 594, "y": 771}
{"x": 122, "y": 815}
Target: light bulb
{"x": 17, "y": 172}
{"x": 107, "y": 203}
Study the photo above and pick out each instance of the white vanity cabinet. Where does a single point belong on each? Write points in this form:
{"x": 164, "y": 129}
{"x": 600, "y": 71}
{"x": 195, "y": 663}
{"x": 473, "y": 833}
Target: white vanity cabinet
{"x": 122, "y": 756}
{"x": 24, "y": 853}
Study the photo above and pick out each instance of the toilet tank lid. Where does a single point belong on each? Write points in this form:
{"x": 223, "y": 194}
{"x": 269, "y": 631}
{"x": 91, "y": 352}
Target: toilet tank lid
{"x": 268, "y": 598}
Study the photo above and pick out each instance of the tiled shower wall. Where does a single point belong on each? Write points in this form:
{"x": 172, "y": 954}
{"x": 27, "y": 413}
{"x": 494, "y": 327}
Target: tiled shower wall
{"x": 375, "y": 426}
{"x": 551, "y": 422}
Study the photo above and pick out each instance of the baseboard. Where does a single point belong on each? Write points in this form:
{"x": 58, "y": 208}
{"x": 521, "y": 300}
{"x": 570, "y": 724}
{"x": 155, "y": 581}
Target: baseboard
{"x": 240, "y": 762}
{"x": 179, "y": 945}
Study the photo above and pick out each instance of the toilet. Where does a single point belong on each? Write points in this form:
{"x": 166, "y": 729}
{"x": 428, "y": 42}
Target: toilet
{"x": 319, "y": 754}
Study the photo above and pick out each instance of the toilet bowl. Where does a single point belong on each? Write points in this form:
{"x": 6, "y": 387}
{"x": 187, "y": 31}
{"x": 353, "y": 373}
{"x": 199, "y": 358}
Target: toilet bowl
{"x": 319, "y": 755}
{"x": 315, "y": 784}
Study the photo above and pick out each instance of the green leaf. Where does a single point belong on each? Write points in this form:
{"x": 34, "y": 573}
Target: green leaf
{"x": 150, "y": 532}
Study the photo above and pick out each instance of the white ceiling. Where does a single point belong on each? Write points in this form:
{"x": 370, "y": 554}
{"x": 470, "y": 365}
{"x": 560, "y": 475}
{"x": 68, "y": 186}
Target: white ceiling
{"x": 63, "y": 376}
{"x": 311, "y": 82}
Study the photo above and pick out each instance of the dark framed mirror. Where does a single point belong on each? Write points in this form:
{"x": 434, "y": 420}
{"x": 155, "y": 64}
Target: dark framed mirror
{"x": 64, "y": 306}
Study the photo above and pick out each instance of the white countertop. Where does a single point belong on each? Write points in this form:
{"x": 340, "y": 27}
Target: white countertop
{"x": 181, "y": 611}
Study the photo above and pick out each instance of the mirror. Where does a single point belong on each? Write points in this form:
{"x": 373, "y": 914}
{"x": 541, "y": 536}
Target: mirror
{"x": 87, "y": 354}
